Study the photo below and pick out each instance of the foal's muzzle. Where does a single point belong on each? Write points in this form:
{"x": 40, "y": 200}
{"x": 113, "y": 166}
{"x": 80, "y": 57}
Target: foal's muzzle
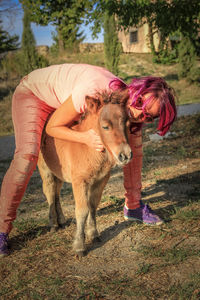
{"x": 125, "y": 155}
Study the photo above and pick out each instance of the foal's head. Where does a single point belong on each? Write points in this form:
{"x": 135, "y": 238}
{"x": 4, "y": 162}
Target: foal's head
{"x": 112, "y": 123}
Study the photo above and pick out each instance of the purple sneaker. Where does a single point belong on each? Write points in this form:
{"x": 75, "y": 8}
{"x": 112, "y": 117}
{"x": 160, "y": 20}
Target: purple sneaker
{"x": 3, "y": 244}
{"x": 143, "y": 214}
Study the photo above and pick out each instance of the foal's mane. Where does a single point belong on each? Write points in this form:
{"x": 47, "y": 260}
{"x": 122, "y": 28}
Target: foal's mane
{"x": 105, "y": 97}
{"x": 115, "y": 97}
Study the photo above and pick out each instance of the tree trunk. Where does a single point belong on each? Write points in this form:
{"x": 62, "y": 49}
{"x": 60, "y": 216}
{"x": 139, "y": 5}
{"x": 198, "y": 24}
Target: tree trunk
{"x": 60, "y": 42}
{"x": 150, "y": 34}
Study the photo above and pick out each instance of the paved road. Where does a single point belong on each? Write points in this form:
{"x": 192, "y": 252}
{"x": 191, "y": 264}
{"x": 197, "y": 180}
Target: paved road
{"x": 7, "y": 143}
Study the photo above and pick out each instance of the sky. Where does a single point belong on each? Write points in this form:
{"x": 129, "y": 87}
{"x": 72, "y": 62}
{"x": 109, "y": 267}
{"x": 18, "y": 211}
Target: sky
{"x": 43, "y": 34}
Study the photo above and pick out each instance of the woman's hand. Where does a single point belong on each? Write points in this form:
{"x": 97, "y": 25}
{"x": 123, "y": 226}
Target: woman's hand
{"x": 93, "y": 140}
{"x": 59, "y": 124}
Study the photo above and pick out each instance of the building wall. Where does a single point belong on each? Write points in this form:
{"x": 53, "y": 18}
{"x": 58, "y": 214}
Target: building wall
{"x": 141, "y": 45}
{"x": 91, "y": 47}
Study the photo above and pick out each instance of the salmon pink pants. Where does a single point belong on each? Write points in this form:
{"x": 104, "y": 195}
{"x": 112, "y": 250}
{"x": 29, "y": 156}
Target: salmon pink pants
{"x": 133, "y": 171}
{"x": 29, "y": 116}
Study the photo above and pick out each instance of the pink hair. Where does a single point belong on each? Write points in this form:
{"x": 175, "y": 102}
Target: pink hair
{"x": 157, "y": 88}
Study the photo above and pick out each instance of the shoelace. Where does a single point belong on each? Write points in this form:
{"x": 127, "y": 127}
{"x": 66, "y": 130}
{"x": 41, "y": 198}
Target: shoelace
{"x": 146, "y": 210}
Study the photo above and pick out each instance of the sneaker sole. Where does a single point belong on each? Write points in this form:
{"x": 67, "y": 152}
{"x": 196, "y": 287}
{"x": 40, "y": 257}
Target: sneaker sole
{"x": 3, "y": 255}
{"x": 138, "y": 220}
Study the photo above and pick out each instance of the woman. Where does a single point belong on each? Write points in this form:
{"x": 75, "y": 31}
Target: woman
{"x": 61, "y": 90}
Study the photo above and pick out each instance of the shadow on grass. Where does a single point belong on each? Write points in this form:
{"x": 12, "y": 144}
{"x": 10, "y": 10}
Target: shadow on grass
{"x": 184, "y": 197}
{"x": 181, "y": 198}
{"x": 171, "y": 77}
{"x": 4, "y": 92}
{"x": 180, "y": 190}
{"x": 19, "y": 241}
{"x": 108, "y": 234}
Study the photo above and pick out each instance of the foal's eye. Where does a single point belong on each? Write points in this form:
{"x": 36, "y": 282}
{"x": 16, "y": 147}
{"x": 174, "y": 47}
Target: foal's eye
{"x": 105, "y": 127}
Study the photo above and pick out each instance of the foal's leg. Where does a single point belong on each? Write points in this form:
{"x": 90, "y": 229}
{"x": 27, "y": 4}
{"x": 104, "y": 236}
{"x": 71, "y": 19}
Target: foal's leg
{"x": 80, "y": 191}
{"x": 94, "y": 198}
{"x": 49, "y": 189}
{"x": 60, "y": 216}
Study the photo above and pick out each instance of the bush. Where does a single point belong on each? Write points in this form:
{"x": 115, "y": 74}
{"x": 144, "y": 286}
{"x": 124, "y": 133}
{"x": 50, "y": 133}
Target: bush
{"x": 112, "y": 46}
{"x": 12, "y": 65}
{"x": 187, "y": 60}
{"x": 166, "y": 57}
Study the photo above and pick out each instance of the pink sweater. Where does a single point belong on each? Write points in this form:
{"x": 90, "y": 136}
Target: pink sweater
{"x": 56, "y": 83}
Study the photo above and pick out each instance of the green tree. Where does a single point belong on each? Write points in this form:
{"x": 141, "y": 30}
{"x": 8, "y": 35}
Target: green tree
{"x": 71, "y": 40}
{"x": 64, "y": 15}
{"x": 7, "y": 42}
{"x": 187, "y": 60}
{"x": 112, "y": 46}
{"x": 163, "y": 16}
{"x": 29, "y": 53}
{"x": 30, "y": 59}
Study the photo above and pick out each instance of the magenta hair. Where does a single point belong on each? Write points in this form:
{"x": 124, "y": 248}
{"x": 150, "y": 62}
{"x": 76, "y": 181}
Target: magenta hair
{"x": 157, "y": 88}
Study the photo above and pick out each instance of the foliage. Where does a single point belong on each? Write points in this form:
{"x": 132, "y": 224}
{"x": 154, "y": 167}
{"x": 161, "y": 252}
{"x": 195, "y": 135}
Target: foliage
{"x": 30, "y": 59}
{"x": 28, "y": 45}
{"x": 71, "y": 40}
{"x": 166, "y": 56}
{"x": 187, "y": 60}
{"x": 66, "y": 16}
{"x": 7, "y": 42}
{"x": 163, "y": 17}
{"x": 112, "y": 47}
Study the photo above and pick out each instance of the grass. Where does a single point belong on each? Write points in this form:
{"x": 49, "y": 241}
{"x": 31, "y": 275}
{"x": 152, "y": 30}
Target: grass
{"x": 187, "y": 290}
{"x": 133, "y": 261}
{"x": 169, "y": 256}
{"x": 131, "y": 65}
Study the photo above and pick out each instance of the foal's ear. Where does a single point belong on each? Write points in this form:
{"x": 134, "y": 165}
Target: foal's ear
{"x": 92, "y": 104}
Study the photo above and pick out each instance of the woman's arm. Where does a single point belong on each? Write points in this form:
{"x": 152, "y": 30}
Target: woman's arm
{"x": 58, "y": 127}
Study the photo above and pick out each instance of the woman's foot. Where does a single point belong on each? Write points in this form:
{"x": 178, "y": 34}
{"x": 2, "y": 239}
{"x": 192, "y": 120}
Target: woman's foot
{"x": 3, "y": 244}
{"x": 143, "y": 214}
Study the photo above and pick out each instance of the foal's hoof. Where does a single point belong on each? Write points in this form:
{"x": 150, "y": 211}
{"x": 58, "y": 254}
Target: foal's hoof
{"x": 81, "y": 254}
{"x": 62, "y": 226}
{"x": 53, "y": 229}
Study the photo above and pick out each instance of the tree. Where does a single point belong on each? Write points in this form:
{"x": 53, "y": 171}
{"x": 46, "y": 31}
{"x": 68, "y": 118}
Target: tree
{"x": 8, "y": 9}
{"x": 112, "y": 47}
{"x": 7, "y": 42}
{"x": 30, "y": 56}
{"x": 64, "y": 15}
{"x": 163, "y": 16}
{"x": 71, "y": 39}
{"x": 187, "y": 60}
{"x": 31, "y": 59}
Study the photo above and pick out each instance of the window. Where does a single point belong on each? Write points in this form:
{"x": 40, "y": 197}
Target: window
{"x": 133, "y": 37}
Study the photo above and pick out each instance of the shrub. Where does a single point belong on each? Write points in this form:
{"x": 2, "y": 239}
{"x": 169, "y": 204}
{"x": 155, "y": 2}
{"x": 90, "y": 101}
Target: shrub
{"x": 187, "y": 60}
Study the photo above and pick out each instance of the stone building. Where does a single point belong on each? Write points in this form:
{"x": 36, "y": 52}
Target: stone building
{"x": 136, "y": 40}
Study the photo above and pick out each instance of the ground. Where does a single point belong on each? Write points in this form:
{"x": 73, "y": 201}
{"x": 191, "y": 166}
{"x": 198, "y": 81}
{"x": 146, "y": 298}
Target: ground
{"x": 132, "y": 261}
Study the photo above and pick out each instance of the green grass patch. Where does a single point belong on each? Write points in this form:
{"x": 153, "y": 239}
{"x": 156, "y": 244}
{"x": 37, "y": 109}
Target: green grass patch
{"x": 188, "y": 289}
{"x": 143, "y": 269}
{"x": 29, "y": 224}
{"x": 169, "y": 256}
{"x": 187, "y": 215}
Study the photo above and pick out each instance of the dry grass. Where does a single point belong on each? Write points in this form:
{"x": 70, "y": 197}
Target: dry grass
{"x": 132, "y": 261}
{"x": 130, "y": 65}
